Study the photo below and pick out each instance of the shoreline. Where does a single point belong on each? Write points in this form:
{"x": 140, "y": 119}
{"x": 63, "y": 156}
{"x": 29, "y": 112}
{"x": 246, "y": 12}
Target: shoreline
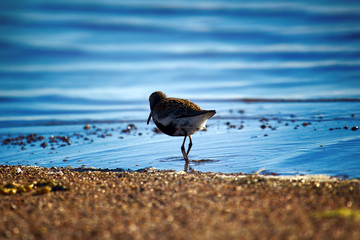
{"x": 262, "y": 173}
{"x": 68, "y": 203}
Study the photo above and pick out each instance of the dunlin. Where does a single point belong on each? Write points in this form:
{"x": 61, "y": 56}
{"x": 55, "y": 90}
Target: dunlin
{"x": 177, "y": 117}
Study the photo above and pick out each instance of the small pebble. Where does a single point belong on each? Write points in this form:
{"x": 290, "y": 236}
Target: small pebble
{"x": 355, "y": 128}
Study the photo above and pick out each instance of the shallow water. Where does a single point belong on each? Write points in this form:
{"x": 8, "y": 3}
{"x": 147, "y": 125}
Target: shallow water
{"x": 64, "y": 64}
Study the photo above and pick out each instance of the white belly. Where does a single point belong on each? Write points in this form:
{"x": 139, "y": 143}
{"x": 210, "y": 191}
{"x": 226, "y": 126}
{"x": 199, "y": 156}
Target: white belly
{"x": 183, "y": 126}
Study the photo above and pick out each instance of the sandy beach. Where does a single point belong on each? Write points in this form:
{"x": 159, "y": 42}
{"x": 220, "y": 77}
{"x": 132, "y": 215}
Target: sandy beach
{"x": 79, "y": 203}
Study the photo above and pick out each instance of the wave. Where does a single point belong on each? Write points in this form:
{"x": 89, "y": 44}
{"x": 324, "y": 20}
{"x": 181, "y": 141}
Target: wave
{"x": 114, "y": 95}
{"x": 67, "y": 42}
{"x": 173, "y": 65}
{"x": 201, "y": 24}
{"x": 330, "y": 8}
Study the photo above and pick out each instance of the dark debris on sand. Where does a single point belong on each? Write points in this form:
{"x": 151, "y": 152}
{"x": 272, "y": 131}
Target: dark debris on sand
{"x": 94, "y": 204}
{"x": 57, "y": 141}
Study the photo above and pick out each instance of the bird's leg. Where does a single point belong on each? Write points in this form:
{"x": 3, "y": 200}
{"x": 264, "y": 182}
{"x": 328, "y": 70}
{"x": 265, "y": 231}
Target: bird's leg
{"x": 190, "y": 145}
{"x": 186, "y": 166}
{"x": 183, "y": 151}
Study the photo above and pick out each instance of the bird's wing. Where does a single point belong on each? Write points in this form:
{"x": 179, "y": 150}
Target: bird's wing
{"x": 177, "y": 108}
{"x": 180, "y": 108}
{"x": 192, "y": 113}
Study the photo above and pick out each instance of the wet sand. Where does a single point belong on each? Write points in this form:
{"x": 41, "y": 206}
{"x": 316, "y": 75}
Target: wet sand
{"x": 69, "y": 203}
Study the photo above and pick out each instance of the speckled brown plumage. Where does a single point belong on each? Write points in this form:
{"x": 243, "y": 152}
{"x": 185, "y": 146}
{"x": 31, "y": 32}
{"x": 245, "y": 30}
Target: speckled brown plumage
{"x": 177, "y": 107}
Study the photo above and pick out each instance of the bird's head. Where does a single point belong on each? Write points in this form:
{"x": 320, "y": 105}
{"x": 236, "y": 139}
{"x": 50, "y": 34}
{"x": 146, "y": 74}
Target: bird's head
{"x": 154, "y": 99}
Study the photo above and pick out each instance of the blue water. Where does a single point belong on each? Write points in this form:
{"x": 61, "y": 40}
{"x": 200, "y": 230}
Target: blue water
{"x": 67, "y": 63}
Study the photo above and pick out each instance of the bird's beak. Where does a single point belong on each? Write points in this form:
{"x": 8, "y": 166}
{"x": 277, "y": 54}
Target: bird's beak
{"x": 149, "y": 119}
